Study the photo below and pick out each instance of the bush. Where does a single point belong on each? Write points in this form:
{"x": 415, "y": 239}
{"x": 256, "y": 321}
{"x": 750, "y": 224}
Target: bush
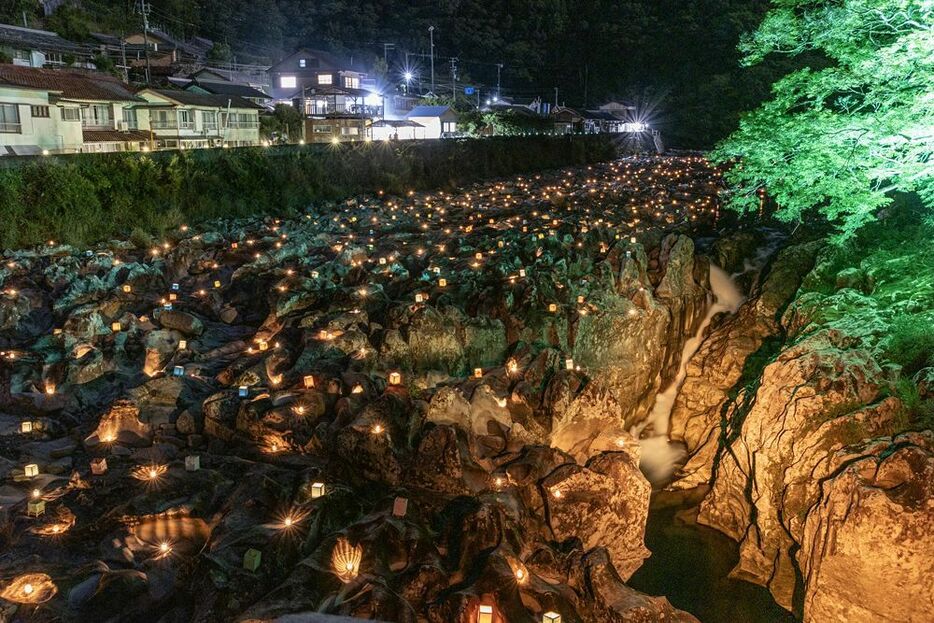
{"x": 90, "y": 197}
{"x": 911, "y": 343}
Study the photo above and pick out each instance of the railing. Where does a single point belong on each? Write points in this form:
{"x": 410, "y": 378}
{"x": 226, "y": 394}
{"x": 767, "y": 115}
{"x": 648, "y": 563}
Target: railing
{"x": 11, "y": 128}
{"x": 164, "y": 125}
{"x": 243, "y": 125}
{"x": 186, "y": 125}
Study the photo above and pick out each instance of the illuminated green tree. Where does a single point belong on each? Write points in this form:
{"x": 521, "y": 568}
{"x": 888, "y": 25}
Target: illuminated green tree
{"x": 844, "y": 134}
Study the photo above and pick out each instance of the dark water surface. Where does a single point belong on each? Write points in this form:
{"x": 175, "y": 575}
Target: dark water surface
{"x": 690, "y": 563}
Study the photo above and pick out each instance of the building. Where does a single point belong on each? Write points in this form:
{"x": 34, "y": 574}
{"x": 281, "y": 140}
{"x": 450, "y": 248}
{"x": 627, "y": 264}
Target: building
{"x": 68, "y": 111}
{"x": 335, "y": 128}
{"x": 395, "y": 130}
{"x": 437, "y": 121}
{"x": 303, "y": 70}
{"x": 567, "y": 120}
{"x": 166, "y": 50}
{"x": 187, "y": 120}
{"x": 40, "y": 48}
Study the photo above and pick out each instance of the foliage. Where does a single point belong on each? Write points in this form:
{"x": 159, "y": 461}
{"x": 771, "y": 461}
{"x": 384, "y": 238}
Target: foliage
{"x": 70, "y": 22}
{"x": 911, "y": 343}
{"x": 284, "y": 125}
{"x": 220, "y": 53}
{"x": 5, "y": 56}
{"x": 841, "y": 137}
{"x": 85, "y": 198}
{"x": 104, "y": 63}
{"x": 918, "y": 411}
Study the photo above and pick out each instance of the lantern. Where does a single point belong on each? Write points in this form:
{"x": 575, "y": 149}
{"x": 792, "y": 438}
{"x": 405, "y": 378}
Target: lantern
{"x": 486, "y": 614}
{"x": 98, "y": 466}
{"x": 31, "y": 470}
{"x": 568, "y": 364}
{"x": 251, "y": 559}
{"x": 478, "y": 373}
{"x": 116, "y": 327}
{"x": 551, "y": 617}
{"x": 552, "y": 307}
{"x": 244, "y": 391}
{"x": 217, "y": 284}
{"x": 395, "y": 378}
{"x": 345, "y": 559}
{"x": 35, "y": 508}
{"x": 25, "y": 427}
{"x": 182, "y": 344}
{"x": 400, "y": 507}
{"x": 522, "y": 272}
{"x": 192, "y": 463}
{"x": 178, "y": 371}
{"x": 127, "y": 288}
{"x": 443, "y": 282}
{"x": 318, "y": 490}
{"x": 309, "y": 381}
{"x": 419, "y": 298}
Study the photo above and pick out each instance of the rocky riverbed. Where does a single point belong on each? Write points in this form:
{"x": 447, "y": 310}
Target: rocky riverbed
{"x": 429, "y": 408}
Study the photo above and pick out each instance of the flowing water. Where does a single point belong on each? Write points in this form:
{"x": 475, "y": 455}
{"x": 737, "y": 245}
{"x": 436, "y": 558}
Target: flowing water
{"x": 660, "y": 456}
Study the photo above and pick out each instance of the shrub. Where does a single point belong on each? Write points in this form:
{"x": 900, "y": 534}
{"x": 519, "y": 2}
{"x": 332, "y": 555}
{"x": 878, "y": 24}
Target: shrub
{"x": 911, "y": 343}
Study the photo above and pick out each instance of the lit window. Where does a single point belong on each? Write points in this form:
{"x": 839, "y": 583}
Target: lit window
{"x": 288, "y": 82}
{"x": 352, "y": 82}
{"x": 301, "y": 63}
{"x": 325, "y": 79}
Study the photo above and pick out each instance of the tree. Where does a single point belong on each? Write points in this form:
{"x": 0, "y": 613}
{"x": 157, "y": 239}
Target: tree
{"x": 284, "y": 125}
{"x": 841, "y": 136}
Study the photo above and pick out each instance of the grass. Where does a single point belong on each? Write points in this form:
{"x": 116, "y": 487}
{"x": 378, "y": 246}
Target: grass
{"x": 910, "y": 343}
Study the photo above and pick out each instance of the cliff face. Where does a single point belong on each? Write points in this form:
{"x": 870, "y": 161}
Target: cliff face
{"x": 799, "y": 410}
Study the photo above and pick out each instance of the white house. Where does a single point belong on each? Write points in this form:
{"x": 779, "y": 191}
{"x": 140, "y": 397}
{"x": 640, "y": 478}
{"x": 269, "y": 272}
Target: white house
{"x": 187, "y": 120}
{"x": 437, "y": 121}
{"x": 29, "y": 47}
{"x": 59, "y": 111}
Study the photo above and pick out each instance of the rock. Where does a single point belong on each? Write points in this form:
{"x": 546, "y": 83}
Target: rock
{"x": 181, "y": 321}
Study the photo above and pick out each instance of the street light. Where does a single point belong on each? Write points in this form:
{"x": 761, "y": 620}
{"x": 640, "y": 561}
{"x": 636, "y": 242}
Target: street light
{"x": 408, "y": 79}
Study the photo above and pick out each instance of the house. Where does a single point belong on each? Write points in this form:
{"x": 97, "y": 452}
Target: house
{"x": 219, "y": 86}
{"x": 40, "y": 48}
{"x": 186, "y": 120}
{"x": 567, "y": 120}
{"x": 166, "y": 50}
{"x": 395, "y": 130}
{"x": 293, "y": 76}
{"x": 68, "y": 111}
{"x": 335, "y": 128}
{"x": 438, "y": 121}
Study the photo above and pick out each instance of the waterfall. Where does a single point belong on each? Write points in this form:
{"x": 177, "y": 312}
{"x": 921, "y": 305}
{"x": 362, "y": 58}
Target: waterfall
{"x": 659, "y": 455}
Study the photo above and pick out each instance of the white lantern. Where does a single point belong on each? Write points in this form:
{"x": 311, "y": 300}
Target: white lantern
{"x": 192, "y": 463}
{"x": 395, "y": 378}
{"x": 486, "y": 614}
{"x": 551, "y": 617}
{"x": 182, "y": 344}
{"x": 31, "y": 470}
{"x": 25, "y": 427}
{"x": 443, "y": 282}
{"x": 552, "y": 307}
{"x": 568, "y": 364}
{"x": 318, "y": 490}
{"x": 309, "y": 381}
{"x": 116, "y": 327}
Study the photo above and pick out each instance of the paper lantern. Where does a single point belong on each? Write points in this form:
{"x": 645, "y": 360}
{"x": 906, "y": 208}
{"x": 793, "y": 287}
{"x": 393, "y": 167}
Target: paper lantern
{"x": 400, "y": 507}
{"x": 35, "y": 508}
{"x": 318, "y": 490}
{"x": 478, "y": 373}
{"x": 127, "y": 288}
{"x": 192, "y": 463}
{"x": 486, "y": 614}
{"x": 419, "y": 298}
{"x": 116, "y": 327}
{"x": 395, "y": 378}
{"x": 251, "y": 559}
{"x": 244, "y": 391}
{"x": 182, "y": 344}
{"x": 25, "y": 427}
{"x": 31, "y": 470}
{"x": 568, "y": 364}
{"x": 98, "y": 466}
{"x": 552, "y": 307}
{"x": 217, "y": 284}
{"x": 522, "y": 272}
{"x": 551, "y": 617}
{"x": 443, "y": 282}
{"x": 178, "y": 371}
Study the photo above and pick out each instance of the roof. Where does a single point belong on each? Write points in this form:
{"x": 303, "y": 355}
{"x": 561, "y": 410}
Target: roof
{"x": 330, "y": 89}
{"x": 190, "y": 98}
{"x": 69, "y": 84}
{"x": 601, "y": 115}
{"x": 328, "y": 60}
{"x": 429, "y": 111}
{"x": 228, "y": 88}
{"x": 29, "y": 38}
{"x": 115, "y": 136}
{"x": 391, "y": 123}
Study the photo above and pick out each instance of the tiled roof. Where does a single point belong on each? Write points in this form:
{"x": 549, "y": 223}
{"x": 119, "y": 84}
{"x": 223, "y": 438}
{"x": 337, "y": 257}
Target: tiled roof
{"x": 229, "y": 88}
{"x": 69, "y": 84}
{"x": 29, "y": 38}
{"x": 428, "y": 111}
{"x": 115, "y": 136}
{"x": 189, "y": 98}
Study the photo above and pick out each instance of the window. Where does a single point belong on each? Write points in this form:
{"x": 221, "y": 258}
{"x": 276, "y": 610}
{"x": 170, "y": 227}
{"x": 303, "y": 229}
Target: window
{"x": 325, "y": 79}
{"x": 352, "y": 82}
{"x": 130, "y": 119}
{"x": 54, "y": 58}
{"x": 41, "y": 112}
{"x": 449, "y": 126}
{"x": 161, "y": 120}
{"x": 186, "y": 120}
{"x": 350, "y": 131}
{"x": 288, "y": 82}
{"x": 302, "y": 63}
{"x": 322, "y": 129}
{"x": 97, "y": 116}
{"x": 22, "y": 57}
{"x": 9, "y": 119}
{"x": 71, "y": 114}
{"x": 209, "y": 120}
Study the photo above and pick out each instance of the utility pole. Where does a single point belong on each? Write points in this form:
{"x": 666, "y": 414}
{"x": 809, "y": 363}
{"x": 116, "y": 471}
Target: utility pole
{"x": 556, "y": 97}
{"x": 25, "y": 22}
{"x": 386, "y": 48}
{"x": 431, "y": 34}
{"x": 499, "y": 70}
{"x": 453, "y": 79}
{"x": 144, "y": 9}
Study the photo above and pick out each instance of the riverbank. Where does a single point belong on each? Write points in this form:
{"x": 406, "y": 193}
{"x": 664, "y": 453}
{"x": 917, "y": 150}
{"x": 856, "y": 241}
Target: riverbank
{"x": 82, "y": 199}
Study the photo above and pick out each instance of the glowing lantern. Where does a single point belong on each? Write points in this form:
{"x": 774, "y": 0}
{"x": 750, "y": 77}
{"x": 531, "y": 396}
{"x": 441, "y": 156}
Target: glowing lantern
{"x": 357, "y": 389}
{"x": 580, "y": 299}
{"x": 317, "y": 490}
{"x": 400, "y": 507}
{"x": 25, "y": 427}
{"x": 178, "y": 371}
{"x": 243, "y": 391}
{"x": 98, "y": 466}
{"x": 568, "y": 364}
{"x": 35, "y": 508}
{"x": 522, "y": 272}
{"x": 127, "y": 288}
{"x": 443, "y": 282}
{"x": 182, "y": 344}
{"x": 419, "y": 298}
{"x": 395, "y": 378}
{"x": 552, "y": 307}
{"x": 345, "y": 559}
{"x": 192, "y": 463}
{"x": 116, "y": 327}
{"x": 31, "y": 470}
{"x": 551, "y": 617}
{"x": 486, "y": 614}
{"x": 309, "y": 381}
{"x": 217, "y": 284}
{"x": 478, "y": 373}
{"x": 251, "y": 559}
